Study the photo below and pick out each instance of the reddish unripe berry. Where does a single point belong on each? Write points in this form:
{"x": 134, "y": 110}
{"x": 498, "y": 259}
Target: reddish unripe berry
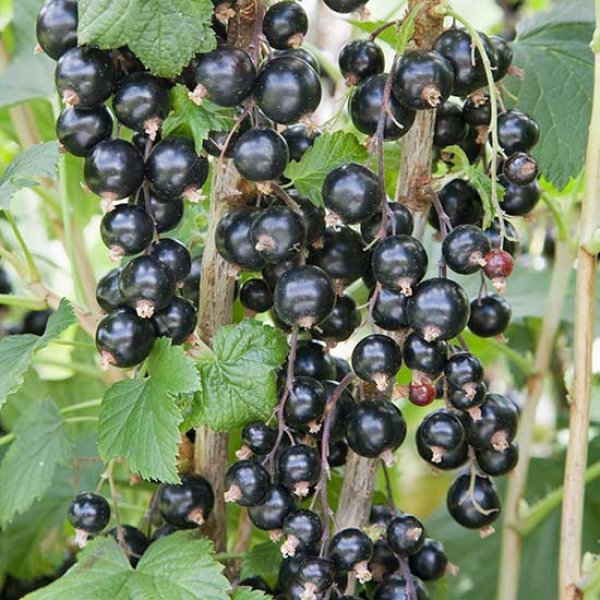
{"x": 421, "y": 394}
{"x": 499, "y": 264}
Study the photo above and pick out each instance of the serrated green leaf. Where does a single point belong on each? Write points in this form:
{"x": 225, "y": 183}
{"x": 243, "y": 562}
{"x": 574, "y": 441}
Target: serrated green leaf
{"x": 41, "y": 444}
{"x": 553, "y": 51}
{"x": 195, "y": 121}
{"x": 38, "y": 161}
{"x": 262, "y": 560}
{"x": 140, "y": 418}
{"x": 245, "y": 593}
{"x": 328, "y": 152}
{"x": 165, "y": 36}
{"x": 238, "y": 381}
{"x": 388, "y": 35}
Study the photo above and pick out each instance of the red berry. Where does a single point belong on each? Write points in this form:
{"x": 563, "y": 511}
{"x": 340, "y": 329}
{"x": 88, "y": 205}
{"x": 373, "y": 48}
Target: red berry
{"x": 499, "y": 264}
{"x": 421, "y": 394}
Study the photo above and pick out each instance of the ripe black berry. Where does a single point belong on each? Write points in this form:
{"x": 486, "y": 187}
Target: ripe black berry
{"x": 394, "y": 587}
{"x": 258, "y": 438}
{"x": 344, "y": 406}
{"x": 247, "y": 483}
{"x": 430, "y": 562}
{"x": 123, "y": 339}
{"x": 426, "y": 358}
{"x": 312, "y": 215}
{"x": 400, "y": 222}
{"x": 312, "y": 360}
{"x": 405, "y": 535}
{"x": 190, "y": 289}
{"x": 520, "y": 169}
{"x": 519, "y": 199}
{"x": 114, "y": 169}
{"x": 261, "y": 155}
{"x": 56, "y": 27}
{"x": 135, "y": 542}
{"x": 256, "y": 583}
{"x": 89, "y": 514}
{"x": 337, "y": 454}
{"x": 303, "y": 54}
{"x": 270, "y": 514}
{"x": 464, "y": 249}
{"x": 345, "y": 6}
{"x": 498, "y": 462}
{"x": 108, "y": 293}
{"x": 467, "y": 397}
{"x": 126, "y": 230}
{"x": 167, "y": 212}
{"x": 450, "y": 128}
{"x": 316, "y": 575}
{"x": 278, "y": 233}
{"x": 490, "y": 316}
{"x": 517, "y": 132}
{"x": 304, "y": 408}
{"x": 80, "y": 130}
{"x": 440, "y": 433}
{"x": 494, "y": 424}
{"x": 351, "y": 549}
{"x": 504, "y": 56}
{"x": 187, "y": 504}
{"x": 477, "y": 111}
{"x": 438, "y": 309}
{"x": 460, "y": 202}
{"x": 463, "y": 369}
{"x": 285, "y": 25}
{"x": 389, "y": 310}
{"x": 473, "y": 508}
{"x": 511, "y": 240}
{"x": 176, "y": 321}
{"x": 303, "y": 529}
{"x": 173, "y": 254}
{"x": 225, "y": 76}
{"x": 233, "y": 239}
{"x": 377, "y": 359}
{"x": 298, "y": 468}
{"x": 381, "y": 514}
{"x": 256, "y": 296}
{"x": 147, "y": 285}
{"x": 299, "y": 138}
{"x": 359, "y": 59}
{"x": 341, "y": 323}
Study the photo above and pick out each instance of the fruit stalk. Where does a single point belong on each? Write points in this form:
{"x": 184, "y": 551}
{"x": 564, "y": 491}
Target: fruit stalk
{"x": 585, "y": 288}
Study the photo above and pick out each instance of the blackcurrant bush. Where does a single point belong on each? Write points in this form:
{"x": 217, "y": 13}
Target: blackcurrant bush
{"x": 377, "y": 359}
{"x": 498, "y": 462}
{"x": 510, "y": 242}
{"x": 389, "y": 310}
{"x": 438, "y": 309}
{"x": 256, "y": 296}
{"x": 345, "y": 6}
{"x": 424, "y": 358}
{"x": 303, "y": 529}
{"x": 225, "y": 76}
{"x": 247, "y": 483}
{"x": 504, "y": 56}
{"x": 114, "y": 169}
{"x": 285, "y": 25}
{"x": 187, "y": 504}
{"x": 56, "y": 27}
{"x": 316, "y": 575}
{"x": 167, "y": 212}
{"x": 464, "y": 249}
{"x": 430, "y": 562}
{"x": 312, "y": 215}
{"x": 519, "y": 200}
{"x": 299, "y": 138}
{"x": 108, "y": 293}
{"x": 520, "y": 169}
{"x": 463, "y": 369}
{"x": 399, "y": 222}
{"x": 176, "y": 321}
{"x": 341, "y": 323}
{"x": 490, "y": 316}
{"x": 190, "y": 289}
{"x": 450, "y": 128}
{"x": 173, "y": 254}
{"x": 134, "y": 540}
{"x": 126, "y": 230}
{"x": 89, "y": 514}
{"x": 123, "y": 339}
{"x": 440, "y": 432}
{"x": 305, "y": 405}
{"x": 474, "y": 506}
{"x": 261, "y": 155}
{"x": 405, "y": 534}
{"x": 394, "y": 587}
{"x": 278, "y": 233}
{"x": 460, "y": 202}
{"x": 312, "y": 360}
{"x": 258, "y": 438}
{"x": 467, "y": 397}
{"x": 79, "y": 130}
{"x": 359, "y": 59}
{"x": 517, "y": 132}
{"x": 298, "y": 468}
{"x": 477, "y": 111}
{"x": 494, "y": 424}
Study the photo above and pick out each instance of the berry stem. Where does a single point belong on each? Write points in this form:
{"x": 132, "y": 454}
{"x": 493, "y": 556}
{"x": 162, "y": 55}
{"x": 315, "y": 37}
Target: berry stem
{"x": 23, "y": 301}
{"x": 389, "y": 488}
{"x": 33, "y": 272}
{"x": 411, "y": 593}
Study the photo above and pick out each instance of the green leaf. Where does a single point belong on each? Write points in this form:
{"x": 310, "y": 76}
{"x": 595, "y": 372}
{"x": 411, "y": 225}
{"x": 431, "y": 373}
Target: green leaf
{"x": 165, "y": 36}
{"x": 389, "y": 35}
{"x": 177, "y": 567}
{"x": 41, "y": 444}
{"x": 16, "y": 351}
{"x": 553, "y": 51}
{"x": 245, "y": 593}
{"x": 38, "y": 161}
{"x": 196, "y": 121}
{"x": 140, "y": 418}
{"x": 238, "y": 380}
{"x": 328, "y": 152}
{"x": 262, "y": 560}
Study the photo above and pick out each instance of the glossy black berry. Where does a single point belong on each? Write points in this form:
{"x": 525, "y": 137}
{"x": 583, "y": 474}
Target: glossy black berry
{"x": 520, "y": 169}
{"x": 405, "y": 534}
{"x": 85, "y": 77}
{"x": 261, "y": 155}
{"x": 256, "y": 295}
{"x": 316, "y": 574}
{"x": 342, "y": 367}
{"x": 312, "y": 215}
{"x": 305, "y": 405}
{"x": 299, "y": 138}
{"x": 477, "y": 111}
{"x": 341, "y": 323}
{"x": 399, "y": 262}
{"x": 337, "y": 454}
{"x": 377, "y": 359}
{"x": 89, "y": 512}
{"x": 450, "y": 128}
{"x": 460, "y": 202}
{"x": 439, "y": 433}
{"x": 147, "y": 285}
{"x": 464, "y": 247}
{"x": 519, "y": 200}
{"x": 350, "y": 547}
{"x": 108, "y": 293}
{"x": 285, "y": 25}
{"x": 287, "y": 88}
{"x": 259, "y": 438}
{"x": 399, "y": 222}
{"x": 517, "y": 131}
{"x": 428, "y": 358}
{"x": 463, "y": 369}
{"x": 384, "y": 561}
{"x": 35, "y": 321}
{"x": 141, "y": 102}
{"x": 389, "y": 310}
{"x": 345, "y": 6}
{"x": 225, "y": 76}
{"x": 312, "y": 360}
{"x": 56, "y": 27}
{"x": 114, "y": 169}
{"x": 174, "y": 169}
{"x": 394, "y": 587}
{"x": 365, "y": 106}
{"x": 430, "y": 562}
{"x": 298, "y": 468}
{"x": 187, "y": 504}
{"x": 247, "y": 483}
{"x": 306, "y": 529}
{"x": 344, "y": 406}
{"x": 78, "y": 130}
{"x": 278, "y": 233}
{"x": 256, "y": 583}
{"x": 438, "y": 309}
{"x": 474, "y": 508}
{"x": 467, "y": 397}
{"x": 510, "y": 243}
{"x": 134, "y": 540}
{"x": 504, "y": 56}
{"x": 190, "y": 289}
{"x": 303, "y": 54}
{"x": 234, "y": 241}
{"x": 304, "y": 296}
{"x": 176, "y": 321}
{"x": 289, "y": 566}
{"x": 494, "y": 425}
{"x": 422, "y": 79}
{"x": 167, "y": 212}
{"x": 375, "y": 427}
{"x": 124, "y": 339}
{"x": 126, "y": 230}
{"x": 490, "y": 316}
{"x": 359, "y": 59}
{"x": 381, "y": 514}
{"x": 173, "y": 254}
{"x": 352, "y": 192}
{"x": 498, "y": 462}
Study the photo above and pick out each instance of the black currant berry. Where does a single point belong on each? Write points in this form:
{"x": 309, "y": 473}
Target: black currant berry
{"x": 493, "y": 424}
{"x": 344, "y": 406}
{"x": 430, "y": 562}
{"x": 520, "y": 169}
{"x": 438, "y": 309}
{"x": 427, "y": 358}
{"x": 134, "y": 540}
{"x": 167, "y": 212}
{"x": 298, "y": 468}
{"x": 467, "y": 397}
{"x": 405, "y": 535}
{"x": 399, "y": 222}
{"x": 359, "y": 59}
{"x": 341, "y": 323}
{"x": 477, "y": 111}
{"x": 89, "y": 514}
{"x": 256, "y": 583}
{"x": 381, "y": 514}
{"x": 174, "y": 169}
{"x": 517, "y": 132}
{"x": 519, "y": 200}
{"x": 389, "y": 310}
{"x": 261, "y": 155}
{"x": 316, "y": 575}
{"x": 257, "y": 438}
{"x": 285, "y": 25}
{"x": 463, "y": 369}
{"x": 56, "y": 27}
{"x": 337, "y": 454}
{"x": 114, "y": 170}
{"x": 399, "y": 262}
{"x": 176, "y": 321}
{"x": 79, "y": 130}
{"x": 394, "y": 587}
{"x": 473, "y": 506}
{"x": 464, "y": 247}
{"x": 439, "y": 433}
{"x": 490, "y": 316}
{"x": 287, "y": 88}
{"x": 124, "y": 339}
{"x": 345, "y": 6}
{"x": 190, "y": 289}
{"x": 377, "y": 359}
{"x": 299, "y": 138}
{"x": 352, "y": 192}
{"x": 504, "y": 56}
{"x": 351, "y": 549}
{"x": 303, "y": 530}
{"x": 233, "y": 239}
{"x": 460, "y": 202}
{"x": 270, "y": 514}
{"x": 304, "y": 296}
{"x": 498, "y": 462}
{"x": 35, "y": 321}
{"x": 384, "y": 561}
{"x": 510, "y": 242}
{"x": 278, "y": 233}
{"x": 126, "y": 230}
{"x": 422, "y": 79}
{"x": 375, "y": 427}
{"x": 312, "y": 215}
{"x": 421, "y": 392}
{"x": 304, "y": 408}
{"x": 173, "y": 254}
{"x": 312, "y": 360}
{"x": 247, "y": 483}
{"x": 108, "y": 293}
{"x": 365, "y": 106}
{"x": 225, "y": 76}
{"x": 85, "y": 77}
{"x": 141, "y": 102}
{"x": 450, "y": 128}
{"x": 303, "y": 54}
{"x": 256, "y": 296}
{"x": 187, "y": 504}
{"x": 342, "y": 367}
{"x": 147, "y": 285}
